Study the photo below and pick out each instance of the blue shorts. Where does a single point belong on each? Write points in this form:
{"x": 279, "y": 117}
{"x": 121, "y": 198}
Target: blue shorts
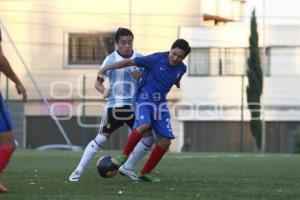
{"x": 156, "y": 115}
{"x": 5, "y": 118}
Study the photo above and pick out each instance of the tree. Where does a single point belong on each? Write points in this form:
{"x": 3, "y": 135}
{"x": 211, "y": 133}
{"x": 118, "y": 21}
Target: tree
{"x": 255, "y": 83}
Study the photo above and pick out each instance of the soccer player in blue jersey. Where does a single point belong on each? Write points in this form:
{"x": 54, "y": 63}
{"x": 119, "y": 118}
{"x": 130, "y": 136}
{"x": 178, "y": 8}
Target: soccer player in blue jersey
{"x": 7, "y": 141}
{"x": 164, "y": 70}
{"x": 120, "y": 96}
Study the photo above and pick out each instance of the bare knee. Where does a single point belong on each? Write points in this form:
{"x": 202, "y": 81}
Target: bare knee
{"x": 13, "y": 146}
{"x": 107, "y": 135}
{"x": 144, "y": 128}
{"x": 148, "y": 133}
{"x": 8, "y": 139}
{"x": 164, "y": 143}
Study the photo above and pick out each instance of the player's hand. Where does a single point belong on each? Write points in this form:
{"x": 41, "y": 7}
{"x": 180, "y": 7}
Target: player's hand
{"x": 21, "y": 90}
{"x": 100, "y": 77}
{"x": 137, "y": 74}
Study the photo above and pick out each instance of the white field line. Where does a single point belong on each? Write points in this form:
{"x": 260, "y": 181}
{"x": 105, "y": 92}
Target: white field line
{"x": 229, "y": 156}
{"x": 205, "y": 156}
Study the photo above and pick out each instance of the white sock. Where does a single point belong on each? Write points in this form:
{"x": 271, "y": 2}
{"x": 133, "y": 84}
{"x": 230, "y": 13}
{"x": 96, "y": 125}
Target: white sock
{"x": 90, "y": 151}
{"x": 138, "y": 152}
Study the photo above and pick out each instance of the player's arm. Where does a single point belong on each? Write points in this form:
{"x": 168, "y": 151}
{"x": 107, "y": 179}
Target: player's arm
{"x": 8, "y": 71}
{"x": 179, "y": 79}
{"x": 177, "y": 83}
{"x": 101, "y": 88}
{"x": 99, "y": 83}
{"x": 117, "y": 65}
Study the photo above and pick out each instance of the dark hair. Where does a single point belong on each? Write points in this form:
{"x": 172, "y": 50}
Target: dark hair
{"x": 182, "y": 44}
{"x": 122, "y": 32}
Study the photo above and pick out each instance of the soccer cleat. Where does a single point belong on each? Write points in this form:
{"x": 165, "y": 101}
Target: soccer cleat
{"x": 2, "y": 189}
{"x": 149, "y": 178}
{"x": 75, "y": 176}
{"x": 129, "y": 173}
{"x": 120, "y": 159}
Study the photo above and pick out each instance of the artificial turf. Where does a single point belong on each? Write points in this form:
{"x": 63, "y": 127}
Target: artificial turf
{"x": 41, "y": 175}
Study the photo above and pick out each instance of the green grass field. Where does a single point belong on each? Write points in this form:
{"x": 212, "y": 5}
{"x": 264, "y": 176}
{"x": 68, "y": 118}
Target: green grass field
{"x": 36, "y": 175}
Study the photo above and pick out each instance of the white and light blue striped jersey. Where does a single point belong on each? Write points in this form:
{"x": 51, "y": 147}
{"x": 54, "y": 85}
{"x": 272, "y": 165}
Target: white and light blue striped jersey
{"x": 122, "y": 85}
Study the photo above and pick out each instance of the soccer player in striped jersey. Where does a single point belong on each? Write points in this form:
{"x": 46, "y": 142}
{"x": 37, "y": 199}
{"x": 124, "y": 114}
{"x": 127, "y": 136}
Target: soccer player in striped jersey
{"x": 165, "y": 69}
{"x": 120, "y": 96}
{"x": 7, "y": 141}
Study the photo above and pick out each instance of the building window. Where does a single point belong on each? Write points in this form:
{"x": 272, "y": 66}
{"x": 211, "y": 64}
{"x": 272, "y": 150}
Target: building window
{"x": 265, "y": 66}
{"x": 88, "y": 49}
{"x": 235, "y": 61}
{"x": 222, "y": 61}
{"x": 199, "y": 62}
{"x": 285, "y": 60}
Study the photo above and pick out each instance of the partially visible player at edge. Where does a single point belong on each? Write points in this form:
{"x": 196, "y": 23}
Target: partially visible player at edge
{"x": 164, "y": 70}
{"x": 120, "y": 96}
{"x": 7, "y": 141}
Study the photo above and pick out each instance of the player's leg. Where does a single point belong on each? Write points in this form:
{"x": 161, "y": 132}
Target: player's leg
{"x": 2, "y": 189}
{"x": 139, "y": 151}
{"x": 111, "y": 124}
{"x": 134, "y": 137}
{"x": 7, "y": 140}
{"x": 142, "y": 124}
{"x": 162, "y": 127}
{"x": 156, "y": 155}
{"x": 7, "y": 147}
{"x": 90, "y": 151}
{"x": 127, "y": 116}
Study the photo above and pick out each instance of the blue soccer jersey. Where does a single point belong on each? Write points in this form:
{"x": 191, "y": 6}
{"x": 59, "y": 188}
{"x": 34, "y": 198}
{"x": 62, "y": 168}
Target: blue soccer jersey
{"x": 123, "y": 85}
{"x": 151, "y": 106}
{"x": 161, "y": 74}
{"x": 5, "y": 118}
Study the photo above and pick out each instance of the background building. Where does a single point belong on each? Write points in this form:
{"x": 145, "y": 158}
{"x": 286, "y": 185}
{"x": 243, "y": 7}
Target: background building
{"x": 215, "y": 89}
{"x": 64, "y": 42}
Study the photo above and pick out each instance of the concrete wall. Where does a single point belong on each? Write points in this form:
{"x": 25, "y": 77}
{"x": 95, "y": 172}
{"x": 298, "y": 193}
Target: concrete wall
{"x": 280, "y": 88}
{"x": 281, "y": 94}
{"x": 39, "y": 30}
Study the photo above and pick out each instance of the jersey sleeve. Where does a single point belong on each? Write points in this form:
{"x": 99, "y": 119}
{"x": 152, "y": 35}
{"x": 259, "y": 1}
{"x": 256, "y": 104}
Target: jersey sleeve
{"x": 107, "y": 61}
{"x": 183, "y": 71}
{"x": 146, "y": 61}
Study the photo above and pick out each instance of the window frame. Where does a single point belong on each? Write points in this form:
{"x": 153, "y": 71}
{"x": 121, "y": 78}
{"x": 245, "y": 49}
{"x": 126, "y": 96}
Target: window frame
{"x": 223, "y": 66}
{"x": 190, "y": 61}
{"x": 66, "y": 36}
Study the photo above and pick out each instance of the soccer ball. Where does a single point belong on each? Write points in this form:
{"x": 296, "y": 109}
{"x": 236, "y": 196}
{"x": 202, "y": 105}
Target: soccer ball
{"x": 107, "y": 167}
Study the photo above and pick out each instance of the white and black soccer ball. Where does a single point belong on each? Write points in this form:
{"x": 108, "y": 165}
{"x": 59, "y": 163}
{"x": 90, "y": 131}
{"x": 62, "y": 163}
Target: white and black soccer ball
{"x": 107, "y": 167}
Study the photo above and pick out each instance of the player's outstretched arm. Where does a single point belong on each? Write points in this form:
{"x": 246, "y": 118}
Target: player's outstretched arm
{"x": 8, "y": 71}
{"x": 117, "y": 65}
